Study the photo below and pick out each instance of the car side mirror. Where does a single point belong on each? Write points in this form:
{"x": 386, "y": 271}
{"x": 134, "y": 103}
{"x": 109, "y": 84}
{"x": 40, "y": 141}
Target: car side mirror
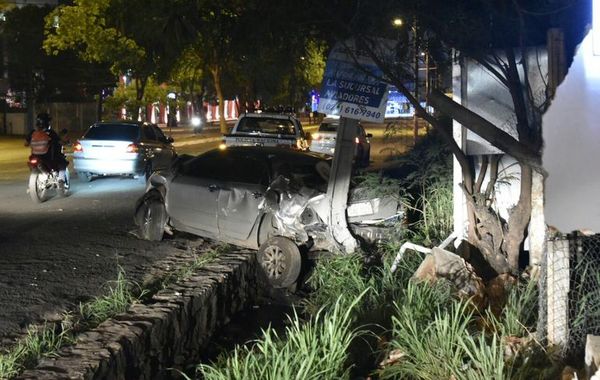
{"x": 369, "y": 135}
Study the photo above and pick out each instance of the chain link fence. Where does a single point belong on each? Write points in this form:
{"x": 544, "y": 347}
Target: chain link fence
{"x": 570, "y": 292}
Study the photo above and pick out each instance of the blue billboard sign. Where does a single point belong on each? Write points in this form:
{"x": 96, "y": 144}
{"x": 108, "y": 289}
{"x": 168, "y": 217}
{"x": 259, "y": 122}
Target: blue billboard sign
{"x": 351, "y": 86}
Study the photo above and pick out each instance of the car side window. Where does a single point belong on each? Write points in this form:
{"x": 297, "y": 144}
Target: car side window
{"x": 159, "y": 134}
{"x": 148, "y": 133}
{"x": 249, "y": 170}
{"x": 211, "y": 167}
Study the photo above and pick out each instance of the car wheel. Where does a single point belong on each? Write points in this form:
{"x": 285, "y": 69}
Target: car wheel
{"x": 280, "y": 260}
{"x": 152, "y": 218}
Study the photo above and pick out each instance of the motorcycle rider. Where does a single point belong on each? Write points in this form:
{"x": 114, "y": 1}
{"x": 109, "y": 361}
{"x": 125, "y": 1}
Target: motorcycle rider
{"x": 46, "y": 144}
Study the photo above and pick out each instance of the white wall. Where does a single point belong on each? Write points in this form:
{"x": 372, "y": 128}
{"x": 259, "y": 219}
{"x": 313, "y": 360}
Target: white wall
{"x": 572, "y": 146}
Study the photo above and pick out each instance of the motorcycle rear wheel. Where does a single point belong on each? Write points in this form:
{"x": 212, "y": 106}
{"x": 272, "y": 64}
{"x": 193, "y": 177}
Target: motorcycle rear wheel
{"x": 37, "y": 188}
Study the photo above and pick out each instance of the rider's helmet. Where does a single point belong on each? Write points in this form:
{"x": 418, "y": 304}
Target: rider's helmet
{"x": 43, "y": 120}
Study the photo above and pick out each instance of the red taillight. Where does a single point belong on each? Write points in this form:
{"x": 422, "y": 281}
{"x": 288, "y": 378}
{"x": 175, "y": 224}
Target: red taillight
{"x": 33, "y": 161}
{"x": 77, "y": 147}
{"x": 132, "y": 148}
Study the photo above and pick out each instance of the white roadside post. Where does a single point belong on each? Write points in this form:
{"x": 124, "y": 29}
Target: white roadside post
{"x": 352, "y": 89}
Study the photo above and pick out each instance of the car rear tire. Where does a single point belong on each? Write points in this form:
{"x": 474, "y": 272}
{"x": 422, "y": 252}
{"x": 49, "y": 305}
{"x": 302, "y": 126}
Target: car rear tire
{"x": 280, "y": 259}
{"x": 152, "y": 217}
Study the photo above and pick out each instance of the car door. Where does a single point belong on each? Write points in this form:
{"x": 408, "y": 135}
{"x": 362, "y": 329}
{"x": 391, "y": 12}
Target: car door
{"x": 167, "y": 152}
{"x": 193, "y": 195}
{"x": 240, "y": 197}
{"x": 148, "y": 145}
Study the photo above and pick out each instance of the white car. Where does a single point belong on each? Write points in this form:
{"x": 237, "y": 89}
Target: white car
{"x": 323, "y": 141}
{"x": 122, "y": 148}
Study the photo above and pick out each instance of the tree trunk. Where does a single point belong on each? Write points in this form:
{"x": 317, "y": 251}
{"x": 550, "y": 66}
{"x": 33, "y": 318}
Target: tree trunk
{"x": 216, "y": 73}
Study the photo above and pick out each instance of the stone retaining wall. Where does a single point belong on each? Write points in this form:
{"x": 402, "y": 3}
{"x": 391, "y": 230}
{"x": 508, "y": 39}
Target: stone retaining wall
{"x": 170, "y": 330}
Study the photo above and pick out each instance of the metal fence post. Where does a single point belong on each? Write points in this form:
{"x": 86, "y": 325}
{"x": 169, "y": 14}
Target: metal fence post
{"x": 557, "y": 283}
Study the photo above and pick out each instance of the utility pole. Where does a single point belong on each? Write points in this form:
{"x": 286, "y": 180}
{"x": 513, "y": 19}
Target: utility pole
{"x": 427, "y": 81}
{"x": 415, "y": 118}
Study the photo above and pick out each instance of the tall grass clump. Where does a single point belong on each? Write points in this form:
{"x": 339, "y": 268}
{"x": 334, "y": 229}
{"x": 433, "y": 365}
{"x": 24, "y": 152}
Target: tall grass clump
{"x": 349, "y": 276}
{"x": 436, "y": 336}
{"x": 425, "y": 177}
{"x": 40, "y": 341}
{"x": 519, "y": 315}
{"x": 116, "y": 301}
{"x": 316, "y": 349}
{"x": 433, "y": 338}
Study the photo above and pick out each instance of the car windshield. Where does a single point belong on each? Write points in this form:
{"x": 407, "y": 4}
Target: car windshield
{"x": 265, "y": 125}
{"x": 328, "y": 127}
{"x": 126, "y": 132}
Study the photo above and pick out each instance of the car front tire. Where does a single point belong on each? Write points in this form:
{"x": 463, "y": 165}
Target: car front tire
{"x": 152, "y": 217}
{"x": 280, "y": 259}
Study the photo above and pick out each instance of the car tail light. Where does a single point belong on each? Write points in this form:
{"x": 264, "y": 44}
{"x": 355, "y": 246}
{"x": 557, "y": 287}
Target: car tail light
{"x": 356, "y": 141}
{"x": 132, "y": 148}
{"x": 33, "y": 160}
{"x": 77, "y": 147}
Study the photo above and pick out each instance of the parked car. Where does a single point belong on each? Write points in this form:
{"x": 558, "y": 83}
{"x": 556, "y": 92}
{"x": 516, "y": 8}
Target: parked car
{"x": 269, "y": 130}
{"x": 323, "y": 141}
{"x": 270, "y": 199}
{"x": 122, "y": 148}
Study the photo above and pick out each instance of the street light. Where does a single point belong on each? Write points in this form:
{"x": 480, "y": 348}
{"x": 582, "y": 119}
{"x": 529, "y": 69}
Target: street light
{"x": 397, "y": 22}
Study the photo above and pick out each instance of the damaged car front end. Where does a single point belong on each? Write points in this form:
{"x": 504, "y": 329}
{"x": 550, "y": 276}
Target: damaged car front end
{"x": 272, "y": 200}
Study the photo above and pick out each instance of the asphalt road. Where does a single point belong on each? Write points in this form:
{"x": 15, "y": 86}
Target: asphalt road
{"x": 56, "y": 254}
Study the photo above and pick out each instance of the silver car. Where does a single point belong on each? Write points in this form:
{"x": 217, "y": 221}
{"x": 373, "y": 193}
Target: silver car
{"x": 323, "y": 141}
{"x": 122, "y": 148}
{"x": 270, "y": 199}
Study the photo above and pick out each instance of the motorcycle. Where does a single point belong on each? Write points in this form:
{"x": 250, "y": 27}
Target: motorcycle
{"x": 43, "y": 180}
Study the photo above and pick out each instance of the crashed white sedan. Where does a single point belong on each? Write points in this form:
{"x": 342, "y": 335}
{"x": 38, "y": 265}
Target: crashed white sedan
{"x": 269, "y": 199}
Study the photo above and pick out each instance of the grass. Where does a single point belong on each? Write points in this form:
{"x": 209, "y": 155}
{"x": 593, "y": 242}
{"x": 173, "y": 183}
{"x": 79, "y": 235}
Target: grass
{"x": 317, "y": 349}
{"x": 199, "y": 261}
{"x": 42, "y": 341}
{"x": 116, "y": 301}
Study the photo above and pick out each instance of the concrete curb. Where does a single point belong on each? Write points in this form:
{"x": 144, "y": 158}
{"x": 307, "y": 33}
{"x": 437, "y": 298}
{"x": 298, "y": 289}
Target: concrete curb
{"x": 166, "y": 333}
